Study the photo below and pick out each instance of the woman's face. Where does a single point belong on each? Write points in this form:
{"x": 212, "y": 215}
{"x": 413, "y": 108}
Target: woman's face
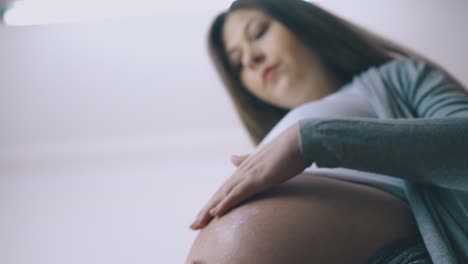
{"x": 272, "y": 62}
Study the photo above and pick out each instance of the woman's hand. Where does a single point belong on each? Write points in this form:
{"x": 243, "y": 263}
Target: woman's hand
{"x": 270, "y": 165}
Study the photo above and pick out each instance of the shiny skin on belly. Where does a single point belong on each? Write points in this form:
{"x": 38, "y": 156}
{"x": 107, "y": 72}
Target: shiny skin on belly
{"x": 308, "y": 219}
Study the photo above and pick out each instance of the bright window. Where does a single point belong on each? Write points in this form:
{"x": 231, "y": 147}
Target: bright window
{"x": 35, "y": 12}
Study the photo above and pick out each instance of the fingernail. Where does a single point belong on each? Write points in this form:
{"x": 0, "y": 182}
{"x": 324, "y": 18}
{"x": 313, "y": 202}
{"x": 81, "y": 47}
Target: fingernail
{"x": 213, "y": 211}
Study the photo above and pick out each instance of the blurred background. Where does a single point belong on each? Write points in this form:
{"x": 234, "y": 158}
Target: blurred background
{"x": 115, "y": 128}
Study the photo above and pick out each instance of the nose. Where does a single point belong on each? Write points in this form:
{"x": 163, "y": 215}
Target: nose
{"x": 253, "y": 58}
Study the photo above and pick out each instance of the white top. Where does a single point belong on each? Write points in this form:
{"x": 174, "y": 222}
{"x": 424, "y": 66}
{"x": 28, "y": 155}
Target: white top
{"x": 346, "y": 102}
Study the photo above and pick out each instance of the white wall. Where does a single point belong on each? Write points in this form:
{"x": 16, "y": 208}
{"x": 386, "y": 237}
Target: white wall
{"x": 115, "y": 132}
{"x": 103, "y": 84}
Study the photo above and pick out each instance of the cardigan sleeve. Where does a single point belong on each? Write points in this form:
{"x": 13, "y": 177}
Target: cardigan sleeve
{"x": 429, "y": 149}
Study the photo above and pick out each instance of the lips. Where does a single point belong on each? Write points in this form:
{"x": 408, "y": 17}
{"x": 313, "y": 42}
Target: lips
{"x": 269, "y": 72}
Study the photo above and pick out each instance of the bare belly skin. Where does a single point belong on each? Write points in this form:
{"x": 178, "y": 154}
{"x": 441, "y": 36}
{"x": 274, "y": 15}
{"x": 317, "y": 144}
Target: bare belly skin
{"x": 309, "y": 219}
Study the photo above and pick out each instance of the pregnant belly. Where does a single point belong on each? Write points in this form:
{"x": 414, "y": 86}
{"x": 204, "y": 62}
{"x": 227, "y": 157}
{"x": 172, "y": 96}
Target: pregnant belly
{"x": 309, "y": 219}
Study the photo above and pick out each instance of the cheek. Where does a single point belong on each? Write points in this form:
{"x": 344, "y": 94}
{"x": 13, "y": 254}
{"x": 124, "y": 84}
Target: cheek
{"x": 292, "y": 53}
{"x": 283, "y": 42}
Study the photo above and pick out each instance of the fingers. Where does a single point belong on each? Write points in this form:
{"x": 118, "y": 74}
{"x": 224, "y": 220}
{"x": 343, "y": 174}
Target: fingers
{"x": 236, "y": 189}
{"x": 204, "y": 217}
{"x": 239, "y": 193}
{"x": 202, "y": 220}
{"x": 238, "y": 159}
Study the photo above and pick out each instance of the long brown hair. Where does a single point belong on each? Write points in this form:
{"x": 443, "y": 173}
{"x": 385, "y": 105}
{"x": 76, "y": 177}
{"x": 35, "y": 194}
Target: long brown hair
{"x": 343, "y": 48}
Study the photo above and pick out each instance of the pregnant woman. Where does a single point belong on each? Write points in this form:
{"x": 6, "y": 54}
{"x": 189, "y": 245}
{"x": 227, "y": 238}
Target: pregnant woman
{"x": 395, "y": 137}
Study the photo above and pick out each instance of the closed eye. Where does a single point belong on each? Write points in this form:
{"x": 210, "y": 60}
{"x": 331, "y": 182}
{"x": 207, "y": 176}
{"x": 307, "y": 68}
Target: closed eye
{"x": 262, "y": 31}
{"x": 238, "y": 67}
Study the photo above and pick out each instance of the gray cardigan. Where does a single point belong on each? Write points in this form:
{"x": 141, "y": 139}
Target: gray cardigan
{"x": 418, "y": 135}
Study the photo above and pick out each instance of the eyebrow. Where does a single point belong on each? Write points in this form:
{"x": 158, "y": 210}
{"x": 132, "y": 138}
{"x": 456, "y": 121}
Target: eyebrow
{"x": 245, "y": 33}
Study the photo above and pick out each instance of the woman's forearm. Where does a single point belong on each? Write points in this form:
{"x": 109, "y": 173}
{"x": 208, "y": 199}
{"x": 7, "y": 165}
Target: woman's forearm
{"x": 425, "y": 150}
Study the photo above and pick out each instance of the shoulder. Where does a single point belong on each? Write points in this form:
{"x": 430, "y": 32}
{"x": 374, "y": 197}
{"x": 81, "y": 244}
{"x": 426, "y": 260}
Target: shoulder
{"x": 403, "y": 63}
{"x": 412, "y": 75}
{"x": 400, "y": 75}
{"x": 400, "y": 69}
{"x": 412, "y": 87}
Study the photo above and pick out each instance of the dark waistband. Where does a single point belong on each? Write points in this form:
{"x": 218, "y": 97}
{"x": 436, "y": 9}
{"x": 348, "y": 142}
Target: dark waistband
{"x": 407, "y": 250}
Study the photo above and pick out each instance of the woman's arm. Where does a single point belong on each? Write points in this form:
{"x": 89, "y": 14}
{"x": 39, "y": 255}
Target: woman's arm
{"x": 424, "y": 150}
{"x": 423, "y": 136}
